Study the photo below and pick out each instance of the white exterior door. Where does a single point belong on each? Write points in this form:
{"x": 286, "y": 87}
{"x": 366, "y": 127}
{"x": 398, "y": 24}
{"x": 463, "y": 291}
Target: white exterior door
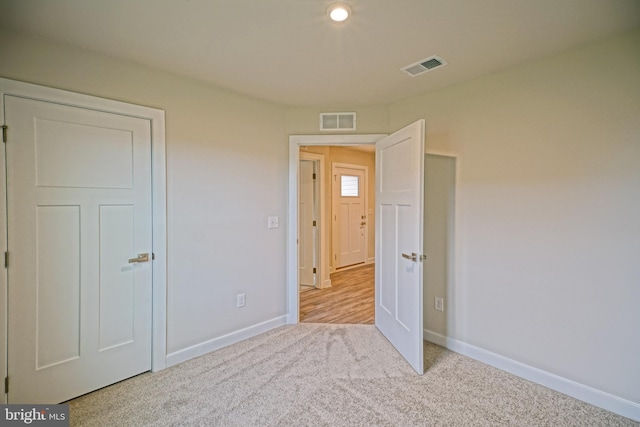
{"x": 349, "y": 215}
{"x": 307, "y": 223}
{"x": 79, "y": 214}
{"x": 399, "y": 241}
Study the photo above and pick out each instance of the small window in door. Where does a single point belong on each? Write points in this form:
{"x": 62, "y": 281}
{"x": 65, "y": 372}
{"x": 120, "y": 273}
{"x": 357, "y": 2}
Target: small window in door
{"x": 349, "y": 186}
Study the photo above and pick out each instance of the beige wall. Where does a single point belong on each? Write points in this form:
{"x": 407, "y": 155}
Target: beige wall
{"x": 226, "y": 172}
{"x": 547, "y": 207}
{"x": 333, "y": 154}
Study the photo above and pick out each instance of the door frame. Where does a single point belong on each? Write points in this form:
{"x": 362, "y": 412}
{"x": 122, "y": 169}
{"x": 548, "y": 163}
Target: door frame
{"x": 295, "y": 142}
{"x": 322, "y": 264}
{"x": 334, "y": 197}
{"x": 156, "y": 119}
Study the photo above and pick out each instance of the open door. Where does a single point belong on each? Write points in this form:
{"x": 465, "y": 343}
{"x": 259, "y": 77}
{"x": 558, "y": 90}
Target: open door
{"x": 307, "y": 228}
{"x": 399, "y": 241}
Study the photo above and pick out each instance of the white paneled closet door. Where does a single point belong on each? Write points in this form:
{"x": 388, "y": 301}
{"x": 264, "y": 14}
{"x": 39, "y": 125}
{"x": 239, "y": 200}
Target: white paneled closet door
{"x": 79, "y": 239}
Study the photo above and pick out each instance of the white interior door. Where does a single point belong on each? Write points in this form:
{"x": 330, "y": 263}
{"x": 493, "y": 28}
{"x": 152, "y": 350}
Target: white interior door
{"x": 399, "y": 241}
{"x": 349, "y": 215}
{"x": 307, "y": 224}
{"x": 79, "y": 212}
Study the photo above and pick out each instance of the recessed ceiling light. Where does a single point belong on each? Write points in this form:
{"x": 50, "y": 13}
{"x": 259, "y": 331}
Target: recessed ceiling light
{"x": 339, "y": 11}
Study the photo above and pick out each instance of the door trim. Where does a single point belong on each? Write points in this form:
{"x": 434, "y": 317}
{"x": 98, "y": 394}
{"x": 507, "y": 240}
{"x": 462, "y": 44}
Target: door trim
{"x": 322, "y": 276}
{"x": 295, "y": 142}
{"x": 156, "y": 118}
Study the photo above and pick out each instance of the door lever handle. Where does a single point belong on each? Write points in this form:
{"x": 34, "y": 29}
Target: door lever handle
{"x": 140, "y": 258}
{"x": 413, "y": 257}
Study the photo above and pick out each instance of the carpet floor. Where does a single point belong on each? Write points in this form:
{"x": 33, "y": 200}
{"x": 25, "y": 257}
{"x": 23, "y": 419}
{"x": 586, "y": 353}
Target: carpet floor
{"x": 331, "y": 375}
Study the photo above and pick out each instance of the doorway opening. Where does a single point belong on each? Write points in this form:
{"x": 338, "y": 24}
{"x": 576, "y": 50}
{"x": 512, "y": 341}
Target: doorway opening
{"x": 336, "y": 196}
{"x": 340, "y": 291}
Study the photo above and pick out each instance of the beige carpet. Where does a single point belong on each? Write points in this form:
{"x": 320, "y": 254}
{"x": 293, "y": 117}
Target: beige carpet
{"x": 331, "y": 375}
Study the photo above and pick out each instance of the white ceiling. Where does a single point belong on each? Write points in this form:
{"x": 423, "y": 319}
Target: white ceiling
{"x": 287, "y": 51}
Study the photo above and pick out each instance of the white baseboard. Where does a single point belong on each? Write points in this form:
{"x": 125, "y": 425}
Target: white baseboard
{"x": 436, "y": 338}
{"x": 292, "y": 319}
{"x": 224, "y": 341}
{"x": 607, "y": 401}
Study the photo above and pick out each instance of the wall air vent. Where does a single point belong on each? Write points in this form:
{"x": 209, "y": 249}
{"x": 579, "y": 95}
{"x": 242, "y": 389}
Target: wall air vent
{"x": 337, "y": 121}
{"x": 424, "y": 66}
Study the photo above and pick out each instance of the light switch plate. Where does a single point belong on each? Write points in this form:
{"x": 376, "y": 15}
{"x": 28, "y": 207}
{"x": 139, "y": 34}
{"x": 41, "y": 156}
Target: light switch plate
{"x": 272, "y": 222}
{"x": 241, "y": 300}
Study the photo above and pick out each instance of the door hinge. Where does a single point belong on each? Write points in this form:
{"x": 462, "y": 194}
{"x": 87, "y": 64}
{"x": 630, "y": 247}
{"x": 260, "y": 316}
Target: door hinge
{"x": 4, "y": 133}
{"x": 153, "y": 256}
{"x": 314, "y": 223}
{"x": 6, "y": 260}
{"x": 314, "y": 176}
{"x": 314, "y": 270}
{"x": 6, "y": 384}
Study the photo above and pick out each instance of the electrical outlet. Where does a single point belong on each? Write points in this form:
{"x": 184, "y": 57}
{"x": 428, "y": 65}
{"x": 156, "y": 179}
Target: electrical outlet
{"x": 241, "y": 300}
{"x": 272, "y": 222}
{"x": 439, "y": 304}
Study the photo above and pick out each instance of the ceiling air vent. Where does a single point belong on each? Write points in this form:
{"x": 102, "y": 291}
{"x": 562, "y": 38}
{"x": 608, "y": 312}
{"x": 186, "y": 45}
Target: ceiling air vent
{"x": 424, "y": 66}
{"x": 337, "y": 121}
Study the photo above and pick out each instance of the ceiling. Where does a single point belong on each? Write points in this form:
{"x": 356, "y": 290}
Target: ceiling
{"x": 288, "y": 52}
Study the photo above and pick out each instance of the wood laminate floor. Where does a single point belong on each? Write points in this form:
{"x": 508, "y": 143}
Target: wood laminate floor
{"x": 350, "y": 299}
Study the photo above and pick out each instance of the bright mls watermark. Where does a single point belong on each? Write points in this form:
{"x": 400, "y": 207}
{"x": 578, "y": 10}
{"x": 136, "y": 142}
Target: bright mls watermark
{"x": 37, "y": 415}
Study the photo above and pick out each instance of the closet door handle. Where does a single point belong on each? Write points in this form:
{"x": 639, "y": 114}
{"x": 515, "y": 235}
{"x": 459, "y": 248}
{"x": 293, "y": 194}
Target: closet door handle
{"x": 413, "y": 257}
{"x": 140, "y": 258}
